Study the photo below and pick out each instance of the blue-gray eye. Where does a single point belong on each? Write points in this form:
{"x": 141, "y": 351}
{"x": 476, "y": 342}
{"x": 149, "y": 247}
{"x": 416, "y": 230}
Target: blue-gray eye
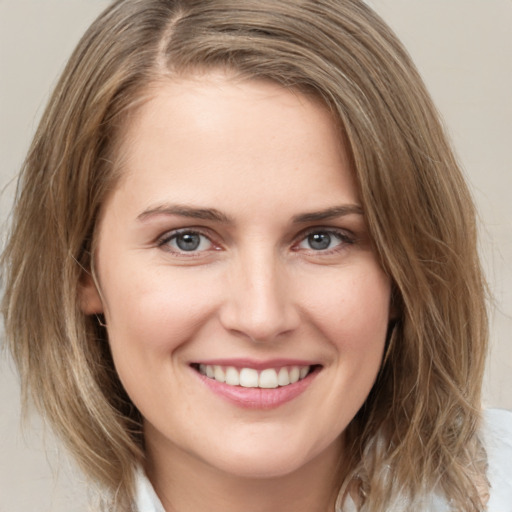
{"x": 188, "y": 241}
{"x": 319, "y": 241}
{"x": 323, "y": 240}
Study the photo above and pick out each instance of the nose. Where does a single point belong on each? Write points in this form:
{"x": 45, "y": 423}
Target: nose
{"x": 259, "y": 303}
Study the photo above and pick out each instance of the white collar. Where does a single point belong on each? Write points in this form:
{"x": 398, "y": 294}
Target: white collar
{"x": 146, "y": 499}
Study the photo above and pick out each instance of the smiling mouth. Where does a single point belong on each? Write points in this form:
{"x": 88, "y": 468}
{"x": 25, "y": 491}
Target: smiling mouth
{"x": 269, "y": 378}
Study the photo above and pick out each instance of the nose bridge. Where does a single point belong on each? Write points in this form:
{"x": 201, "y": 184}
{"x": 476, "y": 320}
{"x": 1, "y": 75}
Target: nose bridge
{"x": 259, "y": 304}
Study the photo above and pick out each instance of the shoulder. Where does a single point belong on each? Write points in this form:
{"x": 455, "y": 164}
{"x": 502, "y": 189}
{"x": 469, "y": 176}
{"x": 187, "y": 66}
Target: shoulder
{"x": 497, "y": 439}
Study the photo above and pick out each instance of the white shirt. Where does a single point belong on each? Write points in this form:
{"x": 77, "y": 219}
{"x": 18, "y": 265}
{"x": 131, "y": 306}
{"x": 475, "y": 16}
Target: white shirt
{"x": 497, "y": 437}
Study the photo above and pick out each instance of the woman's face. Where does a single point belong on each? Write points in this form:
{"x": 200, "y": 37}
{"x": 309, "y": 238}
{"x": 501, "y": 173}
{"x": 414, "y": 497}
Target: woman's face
{"x": 235, "y": 247}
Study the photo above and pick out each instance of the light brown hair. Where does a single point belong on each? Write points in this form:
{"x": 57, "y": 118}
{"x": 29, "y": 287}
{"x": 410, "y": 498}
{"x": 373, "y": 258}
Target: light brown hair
{"x": 417, "y": 431}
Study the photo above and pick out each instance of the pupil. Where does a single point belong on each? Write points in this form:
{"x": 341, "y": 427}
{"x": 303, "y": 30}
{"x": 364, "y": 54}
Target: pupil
{"x": 188, "y": 241}
{"x": 319, "y": 241}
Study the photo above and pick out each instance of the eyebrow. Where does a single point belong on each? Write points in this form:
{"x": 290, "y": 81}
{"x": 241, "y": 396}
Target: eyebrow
{"x": 215, "y": 215}
{"x": 328, "y": 213}
{"x": 186, "y": 211}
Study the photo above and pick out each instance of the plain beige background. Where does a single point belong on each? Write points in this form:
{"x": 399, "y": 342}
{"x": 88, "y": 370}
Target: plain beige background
{"x": 463, "y": 48}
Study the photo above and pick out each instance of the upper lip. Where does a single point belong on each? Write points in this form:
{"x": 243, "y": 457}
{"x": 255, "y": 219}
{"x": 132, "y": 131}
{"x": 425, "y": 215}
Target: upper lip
{"x": 255, "y": 364}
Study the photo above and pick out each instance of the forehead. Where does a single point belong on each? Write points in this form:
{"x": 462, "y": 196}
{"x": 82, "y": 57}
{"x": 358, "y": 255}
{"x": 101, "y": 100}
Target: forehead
{"x": 254, "y": 137}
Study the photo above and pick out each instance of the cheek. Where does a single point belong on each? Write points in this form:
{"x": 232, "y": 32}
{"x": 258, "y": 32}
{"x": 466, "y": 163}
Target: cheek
{"x": 156, "y": 310}
{"x": 150, "y": 317}
{"x": 352, "y": 309}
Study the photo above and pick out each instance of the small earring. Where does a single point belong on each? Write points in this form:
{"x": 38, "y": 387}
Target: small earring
{"x": 100, "y": 322}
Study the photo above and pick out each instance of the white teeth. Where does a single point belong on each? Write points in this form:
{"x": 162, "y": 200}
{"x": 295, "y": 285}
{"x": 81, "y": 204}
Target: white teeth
{"x": 269, "y": 378}
{"x": 283, "y": 378}
{"x": 248, "y": 378}
{"x": 294, "y": 374}
{"x": 232, "y": 376}
{"x": 218, "y": 374}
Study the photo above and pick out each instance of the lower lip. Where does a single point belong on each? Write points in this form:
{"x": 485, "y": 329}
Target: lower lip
{"x": 259, "y": 398}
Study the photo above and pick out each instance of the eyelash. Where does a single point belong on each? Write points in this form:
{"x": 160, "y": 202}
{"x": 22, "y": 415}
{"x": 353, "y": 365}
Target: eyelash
{"x": 342, "y": 236}
{"x": 173, "y": 235}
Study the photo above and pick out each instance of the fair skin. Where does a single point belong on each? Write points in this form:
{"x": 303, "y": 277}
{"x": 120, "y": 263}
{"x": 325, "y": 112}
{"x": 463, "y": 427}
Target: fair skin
{"x": 271, "y": 274}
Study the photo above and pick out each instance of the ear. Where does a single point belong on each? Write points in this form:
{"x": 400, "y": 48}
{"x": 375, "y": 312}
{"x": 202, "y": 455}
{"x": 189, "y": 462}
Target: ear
{"x": 90, "y": 300}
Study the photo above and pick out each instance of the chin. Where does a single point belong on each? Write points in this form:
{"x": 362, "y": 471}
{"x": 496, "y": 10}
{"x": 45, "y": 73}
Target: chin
{"x": 261, "y": 468}
{"x": 266, "y": 460}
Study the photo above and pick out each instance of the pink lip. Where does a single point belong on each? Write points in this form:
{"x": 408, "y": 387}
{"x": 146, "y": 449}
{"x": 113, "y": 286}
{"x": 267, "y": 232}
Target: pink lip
{"x": 258, "y": 398}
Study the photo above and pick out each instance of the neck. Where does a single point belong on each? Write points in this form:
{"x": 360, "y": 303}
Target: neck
{"x": 185, "y": 483}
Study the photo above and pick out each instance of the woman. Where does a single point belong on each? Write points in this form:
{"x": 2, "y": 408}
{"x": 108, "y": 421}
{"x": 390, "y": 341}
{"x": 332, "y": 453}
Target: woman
{"x": 252, "y": 276}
